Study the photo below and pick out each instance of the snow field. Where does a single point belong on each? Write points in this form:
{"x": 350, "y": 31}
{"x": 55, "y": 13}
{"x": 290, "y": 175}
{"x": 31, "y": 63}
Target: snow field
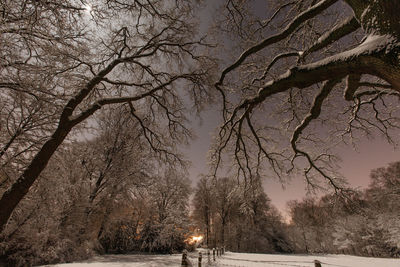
{"x": 231, "y": 259}
{"x": 269, "y": 260}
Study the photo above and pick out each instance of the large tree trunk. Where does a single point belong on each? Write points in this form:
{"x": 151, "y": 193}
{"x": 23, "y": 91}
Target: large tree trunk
{"x": 207, "y": 217}
{"x": 223, "y": 225}
{"x": 377, "y": 17}
{"x": 20, "y": 188}
{"x": 380, "y": 18}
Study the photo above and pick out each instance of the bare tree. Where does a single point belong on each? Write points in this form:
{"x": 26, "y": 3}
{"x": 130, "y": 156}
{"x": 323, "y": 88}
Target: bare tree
{"x": 113, "y": 164}
{"x": 204, "y": 206}
{"x": 138, "y": 53}
{"x": 168, "y": 194}
{"x": 238, "y": 215}
{"x": 226, "y": 197}
{"x": 305, "y": 83}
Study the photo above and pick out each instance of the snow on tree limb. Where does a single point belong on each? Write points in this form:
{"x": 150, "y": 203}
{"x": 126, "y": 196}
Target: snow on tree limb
{"x": 360, "y": 60}
{"x": 291, "y": 27}
{"x": 339, "y": 31}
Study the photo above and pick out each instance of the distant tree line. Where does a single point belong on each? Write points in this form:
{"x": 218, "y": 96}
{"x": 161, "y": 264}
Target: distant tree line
{"x": 365, "y": 222}
{"x": 238, "y": 216}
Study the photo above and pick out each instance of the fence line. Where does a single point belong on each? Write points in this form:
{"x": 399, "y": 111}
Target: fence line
{"x": 215, "y": 260}
{"x": 316, "y": 263}
{"x": 269, "y": 263}
{"x": 207, "y": 259}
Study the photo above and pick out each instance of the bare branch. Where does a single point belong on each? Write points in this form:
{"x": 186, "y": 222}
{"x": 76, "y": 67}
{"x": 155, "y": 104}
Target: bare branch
{"x": 115, "y": 100}
{"x": 314, "y": 112}
{"x": 153, "y": 139}
{"x": 277, "y": 11}
{"x": 292, "y": 26}
{"x": 278, "y": 57}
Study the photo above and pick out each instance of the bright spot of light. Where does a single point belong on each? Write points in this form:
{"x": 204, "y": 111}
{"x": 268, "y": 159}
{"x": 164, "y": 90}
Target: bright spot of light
{"x": 197, "y": 238}
{"x": 194, "y": 239}
{"x": 87, "y": 7}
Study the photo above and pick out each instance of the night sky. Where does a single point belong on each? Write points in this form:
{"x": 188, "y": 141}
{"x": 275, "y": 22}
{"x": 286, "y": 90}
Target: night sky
{"x": 356, "y": 165}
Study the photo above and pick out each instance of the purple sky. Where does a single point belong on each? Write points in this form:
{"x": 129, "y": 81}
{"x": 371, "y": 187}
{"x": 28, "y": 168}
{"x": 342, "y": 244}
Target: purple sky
{"x": 356, "y": 166}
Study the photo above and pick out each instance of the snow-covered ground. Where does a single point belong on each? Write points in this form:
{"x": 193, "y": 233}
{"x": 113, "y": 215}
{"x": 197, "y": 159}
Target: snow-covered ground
{"x": 236, "y": 260}
{"x": 267, "y": 260}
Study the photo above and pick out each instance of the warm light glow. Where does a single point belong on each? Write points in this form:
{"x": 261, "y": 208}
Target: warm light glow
{"x": 194, "y": 239}
{"x": 197, "y": 238}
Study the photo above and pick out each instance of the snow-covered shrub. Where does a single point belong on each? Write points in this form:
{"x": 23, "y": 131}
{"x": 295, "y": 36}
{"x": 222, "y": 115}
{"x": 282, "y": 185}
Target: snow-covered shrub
{"x": 43, "y": 248}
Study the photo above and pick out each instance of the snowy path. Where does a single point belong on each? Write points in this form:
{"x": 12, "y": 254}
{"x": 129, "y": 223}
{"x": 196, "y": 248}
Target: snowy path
{"x": 128, "y": 261}
{"x": 236, "y": 260}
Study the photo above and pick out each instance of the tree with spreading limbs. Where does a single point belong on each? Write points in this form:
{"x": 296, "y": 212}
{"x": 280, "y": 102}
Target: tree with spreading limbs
{"x": 71, "y": 58}
{"x": 313, "y": 75}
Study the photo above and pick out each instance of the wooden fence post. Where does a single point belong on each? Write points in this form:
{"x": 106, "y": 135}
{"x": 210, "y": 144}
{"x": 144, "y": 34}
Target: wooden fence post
{"x": 209, "y": 255}
{"x": 317, "y": 263}
{"x": 214, "y": 254}
{"x": 184, "y": 258}
{"x": 185, "y": 261}
{"x": 200, "y": 258}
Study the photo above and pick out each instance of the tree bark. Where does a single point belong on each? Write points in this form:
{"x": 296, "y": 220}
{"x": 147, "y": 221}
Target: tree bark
{"x": 377, "y": 17}
{"x": 223, "y": 224}
{"x": 20, "y": 188}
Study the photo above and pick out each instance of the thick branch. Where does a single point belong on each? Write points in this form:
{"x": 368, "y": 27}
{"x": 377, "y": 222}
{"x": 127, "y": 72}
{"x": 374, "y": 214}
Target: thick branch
{"x": 290, "y": 28}
{"x": 314, "y": 112}
{"x": 276, "y": 59}
{"x": 267, "y": 22}
{"x": 116, "y": 100}
{"x": 352, "y": 83}
{"x": 84, "y": 92}
{"x": 375, "y": 85}
{"x": 364, "y": 59}
{"x": 348, "y": 26}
